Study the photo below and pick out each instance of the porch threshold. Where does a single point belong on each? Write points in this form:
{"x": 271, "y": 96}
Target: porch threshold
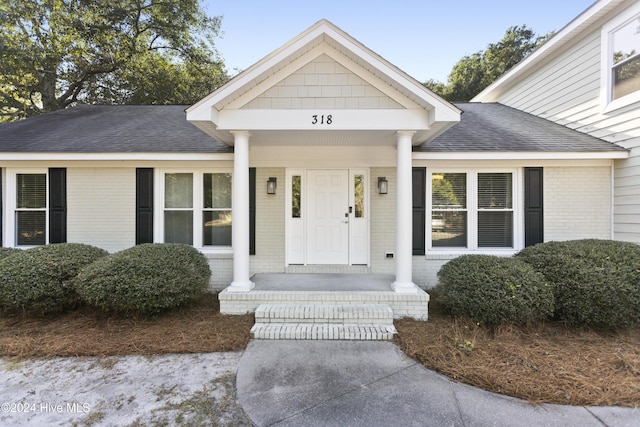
{"x": 324, "y": 289}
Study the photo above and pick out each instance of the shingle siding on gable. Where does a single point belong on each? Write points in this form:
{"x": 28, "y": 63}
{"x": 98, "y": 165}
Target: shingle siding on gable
{"x": 323, "y": 83}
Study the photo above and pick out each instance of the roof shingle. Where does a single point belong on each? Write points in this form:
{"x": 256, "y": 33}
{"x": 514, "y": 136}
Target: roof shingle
{"x": 496, "y": 127}
{"x": 109, "y": 129}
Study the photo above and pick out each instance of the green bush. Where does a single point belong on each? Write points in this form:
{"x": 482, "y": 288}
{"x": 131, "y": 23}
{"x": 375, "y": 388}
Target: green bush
{"x": 596, "y": 282}
{"x": 5, "y": 252}
{"x": 36, "y": 280}
{"x": 493, "y": 290}
{"x": 144, "y": 280}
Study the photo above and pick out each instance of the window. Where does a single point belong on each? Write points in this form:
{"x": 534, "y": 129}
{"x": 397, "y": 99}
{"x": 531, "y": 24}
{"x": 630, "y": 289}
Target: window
{"x": 196, "y": 208}
{"x": 449, "y": 210}
{"x": 296, "y": 196}
{"x": 216, "y": 213}
{"x": 621, "y": 58}
{"x": 358, "y": 196}
{"x": 472, "y": 210}
{"x": 31, "y": 209}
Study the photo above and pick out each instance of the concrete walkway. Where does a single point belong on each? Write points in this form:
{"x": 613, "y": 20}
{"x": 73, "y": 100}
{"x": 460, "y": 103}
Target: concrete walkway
{"x": 358, "y": 383}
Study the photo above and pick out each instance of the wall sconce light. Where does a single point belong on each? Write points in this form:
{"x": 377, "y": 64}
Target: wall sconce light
{"x": 272, "y": 183}
{"x": 383, "y": 185}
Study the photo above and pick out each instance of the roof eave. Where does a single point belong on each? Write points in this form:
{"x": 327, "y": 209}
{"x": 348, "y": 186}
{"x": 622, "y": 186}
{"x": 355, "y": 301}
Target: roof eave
{"x": 568, "y": 34}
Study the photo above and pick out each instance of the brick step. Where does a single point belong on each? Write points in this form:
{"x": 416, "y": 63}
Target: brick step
{"x": 323, "y": 331}
{"x": 380, "y": 314}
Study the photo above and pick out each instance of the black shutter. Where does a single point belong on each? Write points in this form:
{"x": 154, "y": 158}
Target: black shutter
{"x": 419, "y": 181}
{"x": 57, "y": 205}
{"x": 252, "y": 211}
{"x": 144, "y": 205}
{"x": 533, "y": 207}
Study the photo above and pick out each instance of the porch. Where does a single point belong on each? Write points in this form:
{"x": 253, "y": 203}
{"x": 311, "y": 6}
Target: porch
{"x": 324, "y": 305}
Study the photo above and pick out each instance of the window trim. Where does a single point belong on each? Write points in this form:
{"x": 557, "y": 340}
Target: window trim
{"x": 11, "y": 238}
{"x": 606, "y": 65}
{"x": 472, "y": 212}
{"x": 198, "y": 206}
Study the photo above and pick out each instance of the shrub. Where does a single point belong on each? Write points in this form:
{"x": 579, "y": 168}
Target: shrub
{"x": 596, "y": 282}
{"x": 145, "y": 279}
{"x": 5, "y": 252}
{"x": 37, "y": 280}
{"x": 491, "y": 289}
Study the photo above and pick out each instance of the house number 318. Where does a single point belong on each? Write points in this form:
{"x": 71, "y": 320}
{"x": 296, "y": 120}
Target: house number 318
{"x": 316, "y": 119}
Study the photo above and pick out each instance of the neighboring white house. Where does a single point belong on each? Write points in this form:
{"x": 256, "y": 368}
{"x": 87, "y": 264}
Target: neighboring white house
{"x": 327, "y": 158}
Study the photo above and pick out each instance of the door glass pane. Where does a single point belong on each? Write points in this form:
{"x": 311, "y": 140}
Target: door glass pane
{"x": 449, "y": 205}
{"x": 359, "y": 196}
{"x": 178, "y": 190}
{"x": 31, "y": 226}
{"x": 217, "y": 190}
{"x": 178, "y": 227}
{"x": 217, "y": 228}
{"x": 296, "y": 196}
{"x": 31, "y": 191}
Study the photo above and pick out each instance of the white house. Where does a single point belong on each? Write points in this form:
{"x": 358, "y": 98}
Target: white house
{"x": 587, "y": 78}
{"x": 325, "y": 158}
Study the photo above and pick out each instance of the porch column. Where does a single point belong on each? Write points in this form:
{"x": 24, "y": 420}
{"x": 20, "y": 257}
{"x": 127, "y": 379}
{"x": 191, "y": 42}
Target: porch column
{"x": 240, "y": 214}
{"x": 404, "y": 219}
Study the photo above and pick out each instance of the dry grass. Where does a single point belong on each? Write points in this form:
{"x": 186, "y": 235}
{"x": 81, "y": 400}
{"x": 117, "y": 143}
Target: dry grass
{"x": 541, "y": 363}
{"x": 192, "y": 329}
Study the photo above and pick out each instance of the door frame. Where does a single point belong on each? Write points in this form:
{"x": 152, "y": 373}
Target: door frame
{"x": 295, "y": 228}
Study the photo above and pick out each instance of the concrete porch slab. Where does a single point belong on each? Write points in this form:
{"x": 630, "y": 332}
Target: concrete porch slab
{"x": 322, "y": 282}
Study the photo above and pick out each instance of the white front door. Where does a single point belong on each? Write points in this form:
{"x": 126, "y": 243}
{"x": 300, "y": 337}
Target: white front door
{"x": 327, "y": 217}
{"x": 328, "y": 221}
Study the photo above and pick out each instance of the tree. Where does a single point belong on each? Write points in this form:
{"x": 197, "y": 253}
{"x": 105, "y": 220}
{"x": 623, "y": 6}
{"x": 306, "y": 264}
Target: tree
{"x": 54, "y": 53}
{"x": 471, "y": 74}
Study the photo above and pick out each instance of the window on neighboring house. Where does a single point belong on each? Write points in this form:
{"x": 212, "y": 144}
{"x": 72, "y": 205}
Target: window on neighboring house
{"x": 197, "y": 208}
{"x": 472, "y": 210}
{"x": 621, "y": 57}
{"x": 31, "y": 209}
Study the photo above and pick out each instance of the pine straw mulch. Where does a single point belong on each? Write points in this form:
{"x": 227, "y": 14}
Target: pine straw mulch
{"x": 197, "y": 328}
{"x": 547, "y": 362}
{"x": 540, "y": 363}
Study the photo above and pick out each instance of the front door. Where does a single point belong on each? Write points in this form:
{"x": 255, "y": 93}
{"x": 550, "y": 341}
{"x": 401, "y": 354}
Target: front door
{"x": 327, "y": 217}
{"x": 327, "y": 227}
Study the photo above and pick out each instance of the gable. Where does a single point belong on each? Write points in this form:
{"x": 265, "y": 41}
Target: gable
{"x": 323, "y": 83}
{"x": 323, "y": 72}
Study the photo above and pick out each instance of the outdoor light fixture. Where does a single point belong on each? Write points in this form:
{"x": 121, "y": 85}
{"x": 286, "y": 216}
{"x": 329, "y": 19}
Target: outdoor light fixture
{"x": 383, "y": 185}
{"x": 272, "y": 183}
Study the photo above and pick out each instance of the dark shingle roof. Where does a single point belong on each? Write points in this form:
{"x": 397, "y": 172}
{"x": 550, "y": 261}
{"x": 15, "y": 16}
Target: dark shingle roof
{"x": 109, "y": 129}
{"x": 496, "y": 127}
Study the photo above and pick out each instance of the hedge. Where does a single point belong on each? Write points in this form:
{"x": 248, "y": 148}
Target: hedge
{"x": 144, "y": 280}
{"x": 492, "y": 290}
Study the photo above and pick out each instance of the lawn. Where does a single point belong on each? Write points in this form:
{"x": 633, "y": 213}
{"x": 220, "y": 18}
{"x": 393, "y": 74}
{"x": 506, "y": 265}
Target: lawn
{"x": 546, "y": 362}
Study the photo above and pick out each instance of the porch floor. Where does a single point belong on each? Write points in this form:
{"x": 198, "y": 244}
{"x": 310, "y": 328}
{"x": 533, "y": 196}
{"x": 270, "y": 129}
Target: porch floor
{"x": 322, "y": 282}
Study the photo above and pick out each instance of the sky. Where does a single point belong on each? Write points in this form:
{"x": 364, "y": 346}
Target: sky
{"x": 423, "y": 38}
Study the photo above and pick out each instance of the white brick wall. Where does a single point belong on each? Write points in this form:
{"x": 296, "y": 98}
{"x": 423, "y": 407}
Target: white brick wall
{"x": 323, "y": 83}
{"x": 270, "y": 223}
{"x": 577, "y": 203}
{"x": 102, "y": 207}
{"x": 383, "y": 221}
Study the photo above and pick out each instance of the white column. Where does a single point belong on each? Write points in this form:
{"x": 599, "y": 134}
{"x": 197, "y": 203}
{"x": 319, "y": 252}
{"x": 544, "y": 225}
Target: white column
{"x": 404, "y": 216}
{"x": 240, "y": 214}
